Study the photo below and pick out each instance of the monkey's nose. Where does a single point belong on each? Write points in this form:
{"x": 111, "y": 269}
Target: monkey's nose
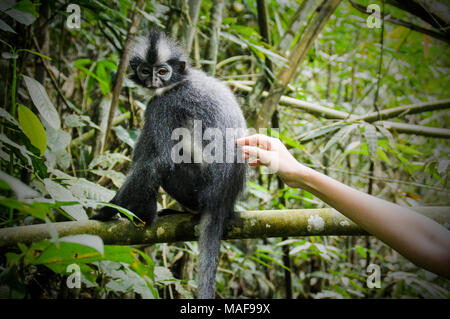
{"x": 148, "y": 83}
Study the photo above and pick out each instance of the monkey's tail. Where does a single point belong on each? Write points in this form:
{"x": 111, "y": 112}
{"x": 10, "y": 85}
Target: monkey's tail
{"x": 212, "y": 225}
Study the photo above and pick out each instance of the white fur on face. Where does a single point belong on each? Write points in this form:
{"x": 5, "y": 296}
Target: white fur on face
{"x": 140, "y": 48}
{"x": 163, "y": 90}
{"x": 163, "y": 50}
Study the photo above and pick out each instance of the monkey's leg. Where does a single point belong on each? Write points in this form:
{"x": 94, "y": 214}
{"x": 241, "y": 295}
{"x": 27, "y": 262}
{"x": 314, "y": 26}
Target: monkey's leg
{"x": 137, "y": 194}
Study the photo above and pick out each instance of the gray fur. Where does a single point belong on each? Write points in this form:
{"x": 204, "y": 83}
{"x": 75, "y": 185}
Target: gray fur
{"x": 209, "y": 188}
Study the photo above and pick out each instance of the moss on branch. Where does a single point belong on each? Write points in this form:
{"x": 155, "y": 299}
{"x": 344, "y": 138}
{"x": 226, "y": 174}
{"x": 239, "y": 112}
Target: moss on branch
{"x": 183, "y": 227}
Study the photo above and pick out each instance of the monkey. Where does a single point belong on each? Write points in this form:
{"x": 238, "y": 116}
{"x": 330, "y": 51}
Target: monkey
{"x": 184, "y": 98}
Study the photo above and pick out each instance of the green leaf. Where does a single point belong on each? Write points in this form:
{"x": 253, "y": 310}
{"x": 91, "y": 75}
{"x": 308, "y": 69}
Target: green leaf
{"x": 27, "y": 6}
{"x": 118, "y": 178}
{"x": 129, "y": 214}
{"x": 42, "y": 102}
{"x": 36, "y": 53}
{"x": 60, "y": 193}
{"x": 408, "y": 149}
{"x": 267, "y": 257}
{"x": 321, "y": 131}
{"x": 245, "y": 30}
{"x": 20, "y": 16}
{"x": 20, "y": 189}
{"x": 23, "y": 151}
{"x": 370, "y": 134}
{"x": 128, "y": 136}
{"x": 102, "y": 74}
{"x": 5, "y": 27}
{"x": 339, "y": 136}
{"x": 38, "y": 209}
{"x": 383, "y": 156}
{"x": 92, "y": 241}
{"x": 32, "y": 128}
{"x": 65, "y": 253}
{"x": 4, "y": 114}
{"x": 74, "y": 120}
{"x": 387, "y": 134}
{"x": 361, "y": 251}
{"x": 6, "y": 4}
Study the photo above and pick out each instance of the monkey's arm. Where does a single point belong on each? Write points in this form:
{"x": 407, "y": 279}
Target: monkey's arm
{"x": 137, "y": 194}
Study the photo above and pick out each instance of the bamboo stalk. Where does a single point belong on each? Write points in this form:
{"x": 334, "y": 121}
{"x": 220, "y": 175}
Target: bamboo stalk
{"x": 214, "y": 38}
{"x": 330, "y": 113}
{"x": 132, "y": 31}
{"x": 298, "y": 53}
{"x": 192, "y": 16}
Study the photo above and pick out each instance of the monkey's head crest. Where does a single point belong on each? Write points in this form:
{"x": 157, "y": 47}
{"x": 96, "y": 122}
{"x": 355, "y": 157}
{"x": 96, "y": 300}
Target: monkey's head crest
{"x": 158, "y": 62}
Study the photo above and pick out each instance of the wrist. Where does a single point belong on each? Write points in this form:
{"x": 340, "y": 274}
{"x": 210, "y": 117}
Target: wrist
{"x": 298, "y": 176}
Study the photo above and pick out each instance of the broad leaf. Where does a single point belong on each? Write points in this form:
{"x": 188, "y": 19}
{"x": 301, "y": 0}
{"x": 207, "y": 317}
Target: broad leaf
{"x": 20, "y": 189}
{"x": 5, "y": 27}
{"x": 42, "y": 102}
{"x": 32, "y": 128}
{"x": 87, "y": 240}
{"x": 20, "y": 16}
{"x": 60, "y": 193}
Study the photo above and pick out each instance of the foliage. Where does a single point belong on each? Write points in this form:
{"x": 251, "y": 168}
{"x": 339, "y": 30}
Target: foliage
{"x": 52, "y": 168}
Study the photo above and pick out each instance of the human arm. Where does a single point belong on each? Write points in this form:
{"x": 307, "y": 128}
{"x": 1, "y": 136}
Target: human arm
{"x": 416, "y": 237}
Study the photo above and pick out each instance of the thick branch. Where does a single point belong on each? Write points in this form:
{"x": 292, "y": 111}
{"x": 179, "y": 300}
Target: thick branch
{"x": 330, "y": 113}
{"x": 417, "y": 8}
{"x": 183, "y": 227}
{"x": 406, "y": 110}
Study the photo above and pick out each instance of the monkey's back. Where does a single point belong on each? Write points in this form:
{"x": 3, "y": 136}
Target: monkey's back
{"x": 198, "y": 98}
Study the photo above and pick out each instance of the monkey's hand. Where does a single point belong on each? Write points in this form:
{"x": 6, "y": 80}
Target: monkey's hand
{"x": 105, "y": 213}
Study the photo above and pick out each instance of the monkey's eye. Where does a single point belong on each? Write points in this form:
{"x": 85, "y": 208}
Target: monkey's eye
{"x": 145, "y": 71}
{"x": 162, "y": 72}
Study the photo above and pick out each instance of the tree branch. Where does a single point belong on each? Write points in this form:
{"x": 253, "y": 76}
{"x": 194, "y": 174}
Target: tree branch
{"x": 329, "y": 113}
{"x": 183, "y": 227}
{"x": 396, "y": 21}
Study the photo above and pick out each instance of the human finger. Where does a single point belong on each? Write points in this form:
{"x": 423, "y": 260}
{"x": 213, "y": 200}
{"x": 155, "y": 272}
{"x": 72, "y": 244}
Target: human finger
{"x": 257, "y": 139}
{"x": 257, "y": 152}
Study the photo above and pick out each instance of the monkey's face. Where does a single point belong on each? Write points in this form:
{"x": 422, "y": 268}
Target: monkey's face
{"x": 154, "y": 76}
{"x": 157, "y": 63}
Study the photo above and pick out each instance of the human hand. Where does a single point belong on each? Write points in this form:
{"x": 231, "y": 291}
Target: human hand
{"x": 271, "y": 152}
